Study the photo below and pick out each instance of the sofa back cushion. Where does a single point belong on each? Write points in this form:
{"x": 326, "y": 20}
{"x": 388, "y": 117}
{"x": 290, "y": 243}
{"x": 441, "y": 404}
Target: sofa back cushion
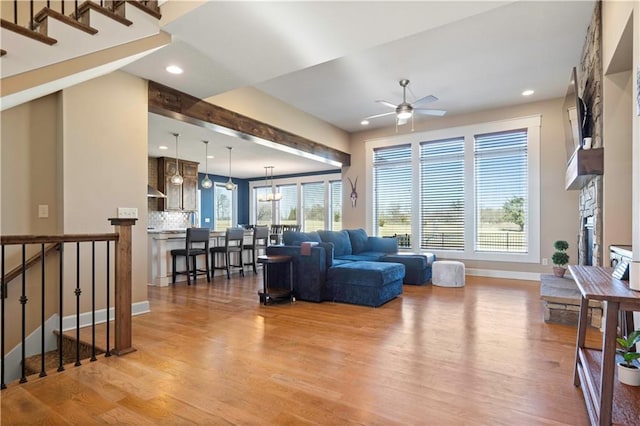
{"x": 295, "y": 238}
{"x": 359, "y": 240}
{"x": 340, "y": 240}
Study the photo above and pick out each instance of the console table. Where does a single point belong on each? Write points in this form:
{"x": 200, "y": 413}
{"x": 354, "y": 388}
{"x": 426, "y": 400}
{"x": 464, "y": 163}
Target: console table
{"x": 608, "y": 401}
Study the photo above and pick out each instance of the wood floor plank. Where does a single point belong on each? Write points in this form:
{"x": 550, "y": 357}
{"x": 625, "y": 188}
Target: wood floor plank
{"x": 211, "y": 354}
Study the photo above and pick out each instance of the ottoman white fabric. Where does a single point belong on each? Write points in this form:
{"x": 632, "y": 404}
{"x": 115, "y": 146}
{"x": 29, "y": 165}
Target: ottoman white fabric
{"x": 448, "y": 273}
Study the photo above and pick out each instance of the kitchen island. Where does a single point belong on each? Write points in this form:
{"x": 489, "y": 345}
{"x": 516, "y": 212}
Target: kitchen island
{"x": 160, "y": 242}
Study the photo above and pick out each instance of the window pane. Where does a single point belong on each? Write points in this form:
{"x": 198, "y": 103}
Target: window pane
{"x": 335, "y": 189}
{"x": 442, "y": 194}
{"x": 501, "y": 192}
{"x": 313, "y": 206}
{"x": 223, "y": 205}
{"x": 392, "y": 188}
{"x": 264, "y": 213}
{"x": 288, "y": 204}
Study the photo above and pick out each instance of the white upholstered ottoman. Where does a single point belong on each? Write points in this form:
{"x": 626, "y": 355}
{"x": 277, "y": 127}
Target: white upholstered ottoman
{"x": 448, "y": 273}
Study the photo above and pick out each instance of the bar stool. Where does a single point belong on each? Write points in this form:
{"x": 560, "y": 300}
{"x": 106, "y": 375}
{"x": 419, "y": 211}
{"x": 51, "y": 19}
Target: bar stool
{"x": 259, "y": 242}
{"x": 197, "y": 244}
{"x": 233, "y": 242}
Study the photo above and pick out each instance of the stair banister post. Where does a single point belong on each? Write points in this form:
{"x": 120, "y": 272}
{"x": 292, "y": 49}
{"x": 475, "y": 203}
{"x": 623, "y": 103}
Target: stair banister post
{"x": 123, "y": 285}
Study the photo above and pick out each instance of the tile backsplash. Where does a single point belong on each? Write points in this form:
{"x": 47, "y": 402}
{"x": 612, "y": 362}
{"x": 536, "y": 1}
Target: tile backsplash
{"x": 169, "y": 220}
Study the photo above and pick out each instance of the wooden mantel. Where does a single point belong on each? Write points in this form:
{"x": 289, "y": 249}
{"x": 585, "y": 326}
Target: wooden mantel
{"x": 584, "y": 164}
{"x": 180, "y": 106}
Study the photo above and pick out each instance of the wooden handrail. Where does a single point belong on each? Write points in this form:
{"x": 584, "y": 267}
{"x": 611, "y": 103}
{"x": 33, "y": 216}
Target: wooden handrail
{"x": 17, "y": 271}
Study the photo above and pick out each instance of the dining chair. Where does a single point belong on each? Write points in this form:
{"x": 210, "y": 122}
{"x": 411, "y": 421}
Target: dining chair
{"x": 233, "y": 243}
{"x": 196, "y": 244}
{"x": 259, "y": 241}
{"x": 275, "y": 234}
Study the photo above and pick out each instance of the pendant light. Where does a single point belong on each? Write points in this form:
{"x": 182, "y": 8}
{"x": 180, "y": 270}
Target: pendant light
{"x": 206, "y": 182}
{"x": 176, "y": 179}
{"x": 230, "y": 185}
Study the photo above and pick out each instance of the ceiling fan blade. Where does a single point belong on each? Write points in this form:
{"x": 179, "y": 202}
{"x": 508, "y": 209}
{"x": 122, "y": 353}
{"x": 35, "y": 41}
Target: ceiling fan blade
{"x": 379, "y": 115}
{"x": 426, "y": 100}
{"x": 436, "y": 112}
{"x": 389, "y": 104}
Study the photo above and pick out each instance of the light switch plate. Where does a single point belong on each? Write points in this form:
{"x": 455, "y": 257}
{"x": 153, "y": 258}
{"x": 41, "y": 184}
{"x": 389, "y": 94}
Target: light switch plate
{"x": 127, "y": 213}
{"x": 43, "y": 211}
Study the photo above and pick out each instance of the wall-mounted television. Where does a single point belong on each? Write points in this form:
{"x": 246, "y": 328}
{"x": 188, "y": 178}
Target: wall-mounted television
{"x": 574, "y": 117}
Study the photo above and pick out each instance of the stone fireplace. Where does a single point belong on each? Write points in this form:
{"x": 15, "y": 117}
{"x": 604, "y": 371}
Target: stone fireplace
{"x": 590, "y": 225}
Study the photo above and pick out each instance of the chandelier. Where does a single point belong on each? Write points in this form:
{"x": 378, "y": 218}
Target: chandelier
{"x": 273, "y": 195}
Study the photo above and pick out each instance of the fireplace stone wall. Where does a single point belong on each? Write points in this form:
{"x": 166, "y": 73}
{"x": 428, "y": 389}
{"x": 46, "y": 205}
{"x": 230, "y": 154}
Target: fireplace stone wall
{"x": 590, "y": 86}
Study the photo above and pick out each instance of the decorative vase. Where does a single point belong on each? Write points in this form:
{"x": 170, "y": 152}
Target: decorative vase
{"x": 559, "y": 271}
{"x": 629, "y": 375}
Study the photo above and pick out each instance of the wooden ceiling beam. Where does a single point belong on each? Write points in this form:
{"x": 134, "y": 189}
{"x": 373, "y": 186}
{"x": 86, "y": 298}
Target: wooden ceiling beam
{"x": 172, "y": 103}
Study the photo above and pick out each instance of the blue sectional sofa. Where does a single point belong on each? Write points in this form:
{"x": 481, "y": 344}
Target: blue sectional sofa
{"x": 350, "y": 266}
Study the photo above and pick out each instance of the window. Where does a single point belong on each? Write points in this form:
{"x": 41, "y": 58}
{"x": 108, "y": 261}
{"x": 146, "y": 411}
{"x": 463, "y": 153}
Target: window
{"x": 288, "y": 205}
{"x": 223, "y": 204}
{"x": 469, "y": 192}
{"x": 335, "y": 211}
{"x": 392, "y": 181}
{"x": 442, "y": 194}
{"x": 313, "y": 206}
{"x": 501, "y": 192}
{"x": 264, "y": 214}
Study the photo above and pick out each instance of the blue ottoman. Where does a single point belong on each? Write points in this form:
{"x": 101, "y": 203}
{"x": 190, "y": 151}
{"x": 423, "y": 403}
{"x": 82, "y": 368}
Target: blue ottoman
{"x": 365, "y": 283}
{"x": 418, "y": 266}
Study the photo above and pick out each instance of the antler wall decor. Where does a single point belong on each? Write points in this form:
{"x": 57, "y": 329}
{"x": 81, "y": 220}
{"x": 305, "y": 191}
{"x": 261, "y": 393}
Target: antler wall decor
{"x": 354, "y": 193}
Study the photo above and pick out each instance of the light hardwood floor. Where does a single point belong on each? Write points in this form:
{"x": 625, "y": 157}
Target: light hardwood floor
{"x": 211, "y": 354}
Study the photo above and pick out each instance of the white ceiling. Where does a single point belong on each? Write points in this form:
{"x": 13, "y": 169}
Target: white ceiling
{"x": 334, "y": 59}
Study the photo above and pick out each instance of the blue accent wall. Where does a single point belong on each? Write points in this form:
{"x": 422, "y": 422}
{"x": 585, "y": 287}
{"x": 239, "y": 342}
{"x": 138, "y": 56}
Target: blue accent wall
{"x": 207, "y": 199}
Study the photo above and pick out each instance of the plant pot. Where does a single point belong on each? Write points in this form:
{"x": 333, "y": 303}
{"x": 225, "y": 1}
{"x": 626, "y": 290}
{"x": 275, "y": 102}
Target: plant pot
{"x": 559, "y": 271}
{"x": 629, "y": 375}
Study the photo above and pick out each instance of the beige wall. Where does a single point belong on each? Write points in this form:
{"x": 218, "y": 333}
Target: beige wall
{"x": 104, "y": 160}
{"x": 616, "y": 15}
{"x": 28, "y": 178}
{"x": 262, "y": 107}
{"x": 559, "y": 208}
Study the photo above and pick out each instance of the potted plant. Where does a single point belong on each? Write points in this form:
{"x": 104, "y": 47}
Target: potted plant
{"x": 560, "y": 258}
{"x": 628, "y": 373}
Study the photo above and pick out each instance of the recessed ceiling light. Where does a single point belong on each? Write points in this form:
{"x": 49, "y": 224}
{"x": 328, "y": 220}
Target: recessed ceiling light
{"x": 528, "y": 92}
{"x": 174, "y": 69}
{"x": 210, "y": 156}
{"x": 163, "y": 147}
{"x": 364, "y": 122}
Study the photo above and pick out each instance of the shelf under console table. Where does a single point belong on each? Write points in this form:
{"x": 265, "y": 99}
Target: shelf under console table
{"x": 608, "y": 401}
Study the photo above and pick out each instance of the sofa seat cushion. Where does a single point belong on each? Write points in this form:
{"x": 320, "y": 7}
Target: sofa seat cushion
{"x": 337, "y": 262}
{"x": 365, "y": 283}
{"x": 418, "y": 266}
{"x": 367, "y": 274}
{"x": 371, "y": 256}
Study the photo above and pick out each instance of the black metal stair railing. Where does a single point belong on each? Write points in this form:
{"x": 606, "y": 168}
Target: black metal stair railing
{"x": 47, "y": 290}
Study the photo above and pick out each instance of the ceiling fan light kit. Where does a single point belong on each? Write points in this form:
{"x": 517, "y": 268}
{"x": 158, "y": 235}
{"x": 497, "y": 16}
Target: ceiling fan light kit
{"x": 404, "y": 110}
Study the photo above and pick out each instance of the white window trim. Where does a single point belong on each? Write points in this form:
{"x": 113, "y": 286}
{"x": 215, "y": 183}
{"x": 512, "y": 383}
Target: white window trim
{"x": 531, "y": 123}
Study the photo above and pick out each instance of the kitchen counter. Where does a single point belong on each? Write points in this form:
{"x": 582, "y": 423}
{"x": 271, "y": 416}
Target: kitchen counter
{"x": 160, "y": 242}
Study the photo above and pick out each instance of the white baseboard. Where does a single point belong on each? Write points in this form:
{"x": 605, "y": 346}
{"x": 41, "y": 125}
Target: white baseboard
{"x": 12, "y": 360}
{"x": 69, "y": 322}
{"x": 492, "y": 273}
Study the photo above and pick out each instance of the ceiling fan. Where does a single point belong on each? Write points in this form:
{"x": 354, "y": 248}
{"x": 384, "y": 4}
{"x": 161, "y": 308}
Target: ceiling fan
{"x": 404, "y": 111}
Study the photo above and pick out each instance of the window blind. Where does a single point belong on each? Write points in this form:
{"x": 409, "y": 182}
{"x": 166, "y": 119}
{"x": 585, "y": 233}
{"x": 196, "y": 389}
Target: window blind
{"x": 335, "y": 190}
{"x": 392, "y": 179}
{"x": 501, "y": 192}
{"x": 442, "y": 194}
{"x": 288, "y": 205}
{"x": 313, "y": 206}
